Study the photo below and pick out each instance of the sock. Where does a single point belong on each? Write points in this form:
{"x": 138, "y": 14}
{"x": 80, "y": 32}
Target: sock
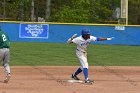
{"x": 7, "y": 69}
{"x": 79, "y": 70}
{"x": 86, "y": 73}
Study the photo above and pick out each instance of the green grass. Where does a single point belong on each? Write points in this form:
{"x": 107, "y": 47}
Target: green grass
{"x": 59, "y": 54}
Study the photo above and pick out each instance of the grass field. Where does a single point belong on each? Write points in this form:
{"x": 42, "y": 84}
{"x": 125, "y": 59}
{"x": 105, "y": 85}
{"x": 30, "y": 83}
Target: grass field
{"x": 59, "y": 54}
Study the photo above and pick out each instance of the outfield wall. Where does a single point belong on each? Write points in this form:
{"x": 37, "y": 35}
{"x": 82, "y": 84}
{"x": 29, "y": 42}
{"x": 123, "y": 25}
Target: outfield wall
{"x": 60, "y": 32}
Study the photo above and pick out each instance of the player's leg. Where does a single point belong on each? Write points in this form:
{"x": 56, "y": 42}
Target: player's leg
{"x": 8, "y": 75}
{"x": 1, "y": 55}
{"x": 6, "y": 61}
{"x": 7, "y": 68}
{"x": 83, "y": 60}
{"x": 84, "y": 63}
{"x": 78, "y": 71}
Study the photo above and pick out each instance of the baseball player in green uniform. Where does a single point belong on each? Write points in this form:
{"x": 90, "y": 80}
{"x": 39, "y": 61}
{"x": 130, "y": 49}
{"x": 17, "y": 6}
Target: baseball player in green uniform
{"x": 5, "y": 54}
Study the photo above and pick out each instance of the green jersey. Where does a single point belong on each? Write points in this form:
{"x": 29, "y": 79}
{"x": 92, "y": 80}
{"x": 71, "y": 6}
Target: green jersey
{"x": 4, "y": 40}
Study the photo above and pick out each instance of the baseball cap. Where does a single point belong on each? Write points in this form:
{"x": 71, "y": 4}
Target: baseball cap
{"x": 85, "y": 32}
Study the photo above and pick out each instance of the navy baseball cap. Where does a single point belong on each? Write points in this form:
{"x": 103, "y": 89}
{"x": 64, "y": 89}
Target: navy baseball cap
{"x": 85, "y": 32}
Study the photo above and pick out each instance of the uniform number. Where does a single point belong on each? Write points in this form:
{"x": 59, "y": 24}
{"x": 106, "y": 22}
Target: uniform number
{"x": 4, "y": 37}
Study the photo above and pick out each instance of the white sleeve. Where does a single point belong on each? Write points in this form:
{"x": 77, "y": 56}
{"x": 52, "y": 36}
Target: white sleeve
{"x": 75, "y": 40}
{"x": 93, "y": 38}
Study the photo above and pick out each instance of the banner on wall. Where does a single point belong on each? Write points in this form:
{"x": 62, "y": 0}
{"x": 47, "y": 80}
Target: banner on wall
{"x": 34, "y": 31}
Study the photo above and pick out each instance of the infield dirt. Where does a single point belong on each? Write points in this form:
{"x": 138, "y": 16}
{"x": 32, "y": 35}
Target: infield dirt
{"x": 50, "y": 79}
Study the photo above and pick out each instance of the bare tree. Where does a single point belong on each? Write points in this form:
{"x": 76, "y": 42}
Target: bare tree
{"x": 4, "y": 12}
{"x": 48, "y": 2}
{"x": 37, "y": 11}
{"x": 21, "y": 10}
{"x": 32, "y": 10}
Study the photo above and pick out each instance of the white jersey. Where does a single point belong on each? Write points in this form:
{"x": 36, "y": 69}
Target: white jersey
{"x": 82, "y": 43}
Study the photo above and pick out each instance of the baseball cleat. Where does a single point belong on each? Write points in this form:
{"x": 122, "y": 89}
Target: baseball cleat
{"x": 74, "y": 77}
{"x": 7, "y": 78}
{"x": 89, "y": 81}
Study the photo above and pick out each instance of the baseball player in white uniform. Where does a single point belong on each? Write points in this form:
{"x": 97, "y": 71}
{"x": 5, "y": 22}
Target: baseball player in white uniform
{"x": 82, "y": 42}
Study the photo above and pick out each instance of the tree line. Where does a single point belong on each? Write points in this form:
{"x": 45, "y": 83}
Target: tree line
{"x": 70, "y": 11}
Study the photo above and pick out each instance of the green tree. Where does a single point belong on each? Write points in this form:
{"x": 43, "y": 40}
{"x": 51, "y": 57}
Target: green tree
{"x": 133, "y": 13}
{"x": 87, "y": 11}
{"x": 79, "y": 11}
